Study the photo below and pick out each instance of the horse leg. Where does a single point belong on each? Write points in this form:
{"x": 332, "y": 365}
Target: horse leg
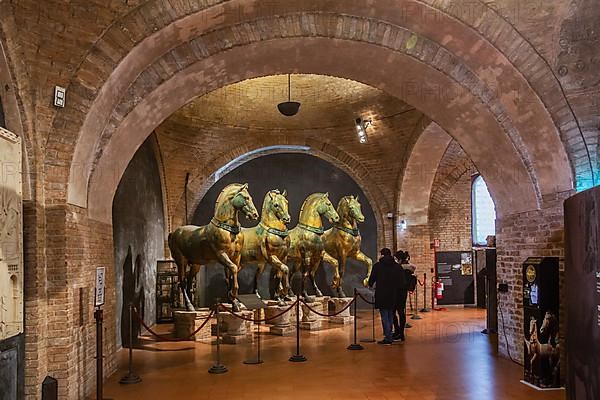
{"x": 182, "y": 265}
{"x": 282, "y": 276}
{"x": 342, "y": 269}
{"x": 305, "y": 275}
{"x": 259, "y": 270}
{"x": 336, "y": 281}
{"x": 312, "y": 273}
{"x": 362, "y": 257}
{"x": 231, "y": 269}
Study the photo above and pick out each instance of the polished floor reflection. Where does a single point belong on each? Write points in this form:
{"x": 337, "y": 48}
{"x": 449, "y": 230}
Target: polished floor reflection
{"x": 445, "y": 357}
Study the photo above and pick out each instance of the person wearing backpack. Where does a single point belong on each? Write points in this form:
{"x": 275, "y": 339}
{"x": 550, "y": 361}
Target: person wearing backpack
{"x": 408, "y": 284}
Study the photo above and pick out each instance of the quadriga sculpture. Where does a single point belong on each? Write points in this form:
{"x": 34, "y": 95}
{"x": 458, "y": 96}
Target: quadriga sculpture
{"x": 343, "y": 240}
{"x": 306, "y": 247}
{"x": 268, "y": 242}
{"x": 221, "y": 240}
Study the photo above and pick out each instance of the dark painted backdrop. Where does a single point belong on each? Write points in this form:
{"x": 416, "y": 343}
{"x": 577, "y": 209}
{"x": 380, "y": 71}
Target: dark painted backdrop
{"x": 582, "y": 283}
{"x": 301, "y": 175}
{"x": 138, "y": 234}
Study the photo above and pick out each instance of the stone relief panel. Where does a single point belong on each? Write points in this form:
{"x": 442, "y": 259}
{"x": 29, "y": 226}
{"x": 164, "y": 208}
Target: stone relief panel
{"x": 11, "y": 236}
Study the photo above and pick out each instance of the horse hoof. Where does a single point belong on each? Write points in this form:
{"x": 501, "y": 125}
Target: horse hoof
{"x": 235, "y": 306}
{"x": 281, "y": 302}
{"x": 287, "y": 298}
{"x": 319, "y": 294}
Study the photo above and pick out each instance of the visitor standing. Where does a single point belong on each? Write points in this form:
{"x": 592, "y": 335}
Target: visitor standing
{"x": 408, "y": 283}
{"x": 387, "y": 277}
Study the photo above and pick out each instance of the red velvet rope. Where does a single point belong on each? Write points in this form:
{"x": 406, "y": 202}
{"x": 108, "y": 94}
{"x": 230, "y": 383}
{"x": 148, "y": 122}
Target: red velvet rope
{"x": 166, "y": 338}
{"x": 365, "y": 300}
{"x": 330, "y": 315}
{"x": 257, "y": 320}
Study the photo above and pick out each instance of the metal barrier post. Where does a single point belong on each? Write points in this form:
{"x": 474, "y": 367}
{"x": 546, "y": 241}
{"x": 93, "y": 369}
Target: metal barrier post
{"x": 218, "y": 368}
{"x": 355, "y": 345}
{"x": 131, "y": 378}
{"x": 297, "y": 357}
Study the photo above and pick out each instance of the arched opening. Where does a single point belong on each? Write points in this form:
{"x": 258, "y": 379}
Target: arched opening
{"x": 483, "y": 211}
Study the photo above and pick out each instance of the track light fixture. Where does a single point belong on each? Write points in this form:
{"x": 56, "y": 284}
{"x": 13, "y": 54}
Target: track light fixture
{"x": 361, "y": 129}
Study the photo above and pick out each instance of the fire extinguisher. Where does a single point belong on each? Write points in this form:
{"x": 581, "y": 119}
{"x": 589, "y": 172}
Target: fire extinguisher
{"x": 439, "y": 290}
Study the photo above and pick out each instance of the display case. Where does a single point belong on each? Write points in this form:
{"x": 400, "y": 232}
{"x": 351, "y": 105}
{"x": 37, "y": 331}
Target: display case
{"x": 541, "y": 327}
{"x": 167, "y": 290}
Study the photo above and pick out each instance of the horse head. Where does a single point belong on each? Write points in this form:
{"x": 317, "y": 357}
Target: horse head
{"x": 350, "y": 209}
{"x": 276, "y": 203}
{"x": 324, "y": 207}
{"x": 242, "y": 201}
{"x": 549, "y": 324}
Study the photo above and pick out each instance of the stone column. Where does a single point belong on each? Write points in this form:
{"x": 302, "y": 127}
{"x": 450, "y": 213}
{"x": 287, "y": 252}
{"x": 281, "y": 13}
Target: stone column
{"x": 281, "y": 325}
{"x": 186, "y": 323}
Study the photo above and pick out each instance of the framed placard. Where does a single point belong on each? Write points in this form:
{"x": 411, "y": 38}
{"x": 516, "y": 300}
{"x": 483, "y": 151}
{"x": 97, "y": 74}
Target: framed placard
{"x": 100, "y": 286}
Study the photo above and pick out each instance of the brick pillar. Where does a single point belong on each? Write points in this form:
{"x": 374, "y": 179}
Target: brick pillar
{"x": 519, "y": 236}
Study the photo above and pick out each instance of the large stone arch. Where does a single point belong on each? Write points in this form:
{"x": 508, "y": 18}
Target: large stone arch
{"x": 204, "y": 178}
{"x": 485, "y": 39}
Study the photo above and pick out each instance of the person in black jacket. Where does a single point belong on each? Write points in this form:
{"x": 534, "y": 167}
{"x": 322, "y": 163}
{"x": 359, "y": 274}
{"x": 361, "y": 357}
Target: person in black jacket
{"x": 400, "y": 310}
{"x": 387, "y": 278}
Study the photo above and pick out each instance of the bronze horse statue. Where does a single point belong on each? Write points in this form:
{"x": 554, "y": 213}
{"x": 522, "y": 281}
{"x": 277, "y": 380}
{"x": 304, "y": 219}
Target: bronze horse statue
{"x": 343, "y": 241}
{"x": 221, "y": 240}
{"x": 306, "y": 247}
{"x": 268, "y": 242}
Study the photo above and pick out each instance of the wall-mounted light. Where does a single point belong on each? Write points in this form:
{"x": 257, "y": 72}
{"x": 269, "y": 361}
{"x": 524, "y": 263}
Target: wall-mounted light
{"x": 361, "y": 129}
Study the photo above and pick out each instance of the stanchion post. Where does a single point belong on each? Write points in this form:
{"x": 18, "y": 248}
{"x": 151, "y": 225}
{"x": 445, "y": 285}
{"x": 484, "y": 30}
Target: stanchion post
{"x": 372, "y": 338}
{"x": 131, "y": 378}
{"x": 416, "y": 313}
{"x": 98, "y": 315}
{"x": 218, "y": 368}
{"x": 257, "y": 360}
{"x": 425, "y": 309}
{"x": 297, "y": 357}
{"x": 355, "y": 345}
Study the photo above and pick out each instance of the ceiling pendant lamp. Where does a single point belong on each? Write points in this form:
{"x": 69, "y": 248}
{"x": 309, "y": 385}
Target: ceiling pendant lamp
{"x": 289, "y": 108}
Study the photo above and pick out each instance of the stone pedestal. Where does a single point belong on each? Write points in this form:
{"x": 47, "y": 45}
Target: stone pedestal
{"x": 186, "y": 323}
{"x": 235, "y": 330}
{"x": 281, "y": 325}
{"x": 335, "y": 305}
{"x": 311, "y": 321}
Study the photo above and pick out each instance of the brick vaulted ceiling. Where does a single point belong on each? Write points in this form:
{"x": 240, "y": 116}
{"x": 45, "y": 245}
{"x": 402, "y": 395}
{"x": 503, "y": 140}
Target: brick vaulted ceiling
{"x": 212, "y": 129}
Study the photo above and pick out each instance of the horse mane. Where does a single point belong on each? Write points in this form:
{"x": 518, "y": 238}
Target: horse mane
{"x": 226, "y": 194}
{"x": 344, "y": 206}
{"x": 310, "y": 200}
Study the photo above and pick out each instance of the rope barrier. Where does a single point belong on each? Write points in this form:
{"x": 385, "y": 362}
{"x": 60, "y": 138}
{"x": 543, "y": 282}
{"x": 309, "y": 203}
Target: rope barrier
{"x": 257, "y": 320}
{"x": 365, "y": 300}
{"x": 329, "y": 315}
{"x": 165, "y": 337}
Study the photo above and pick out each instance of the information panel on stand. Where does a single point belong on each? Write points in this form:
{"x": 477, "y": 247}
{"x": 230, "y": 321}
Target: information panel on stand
{"x": 454, "y": 270}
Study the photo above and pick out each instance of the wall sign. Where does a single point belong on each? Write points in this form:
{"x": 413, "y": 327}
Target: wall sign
{"x": 100, "y": 286}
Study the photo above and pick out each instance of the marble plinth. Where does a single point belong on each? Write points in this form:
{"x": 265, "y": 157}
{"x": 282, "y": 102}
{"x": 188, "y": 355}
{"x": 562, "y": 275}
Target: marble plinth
{"x": 337, "y": 304}
{"x": 310, "y": 321}
{"x": 281, "y": 325}
{"x": 235, "y": 330}
{"x": 186, "y": 323}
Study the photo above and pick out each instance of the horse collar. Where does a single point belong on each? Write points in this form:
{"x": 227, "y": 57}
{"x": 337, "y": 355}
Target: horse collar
{"x": 275, "y": 231}
{"x": 235, "y": 229}
{"x": 354, "y": 232}
{"x": 318, "y": 231}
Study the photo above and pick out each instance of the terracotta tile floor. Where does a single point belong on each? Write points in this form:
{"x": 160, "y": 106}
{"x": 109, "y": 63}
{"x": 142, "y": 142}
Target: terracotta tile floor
{"x": 445, "y": 357}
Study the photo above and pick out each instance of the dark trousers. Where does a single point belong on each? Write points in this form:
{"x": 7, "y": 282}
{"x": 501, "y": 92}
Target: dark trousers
{"x": 400, "y": 314}
{"x": 387, "y": 321}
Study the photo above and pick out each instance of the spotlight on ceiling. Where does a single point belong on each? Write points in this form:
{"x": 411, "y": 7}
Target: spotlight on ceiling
{"x": 289, "y": 108}
{"x": 361, "y": 129}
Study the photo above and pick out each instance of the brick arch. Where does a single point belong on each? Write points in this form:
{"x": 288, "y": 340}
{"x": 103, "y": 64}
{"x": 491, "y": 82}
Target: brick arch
{"x": 418, "y": 177}
{"x": 532, "y": 180}
{"x": 14, "y": 121}
{"x": 204, "y": 178}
